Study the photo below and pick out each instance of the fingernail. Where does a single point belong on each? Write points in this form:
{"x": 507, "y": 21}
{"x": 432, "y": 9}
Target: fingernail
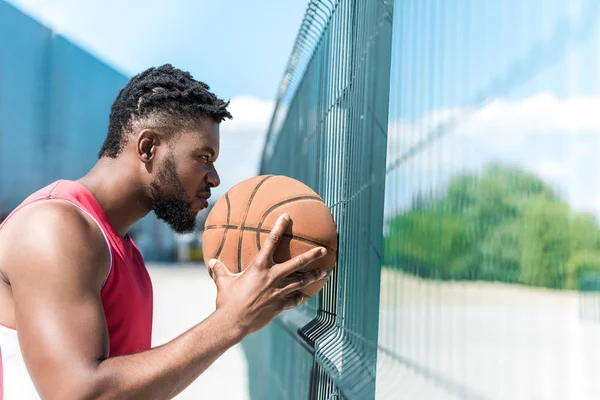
{"x": 323, "y": 251}
{"x": 286, "y": 216}
{"x": 212, "y": 262}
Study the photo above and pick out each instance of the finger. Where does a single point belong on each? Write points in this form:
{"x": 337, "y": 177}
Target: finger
{"x": 294, "y": 301}
{"x": 266, "y": 253}
{"x": 216, "y": 269}
{"x": 300, "y": 261}
{"x": 299, "y": 281}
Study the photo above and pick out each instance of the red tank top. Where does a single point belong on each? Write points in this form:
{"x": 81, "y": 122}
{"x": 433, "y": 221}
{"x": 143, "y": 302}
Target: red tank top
{"x": 127, "y": 292}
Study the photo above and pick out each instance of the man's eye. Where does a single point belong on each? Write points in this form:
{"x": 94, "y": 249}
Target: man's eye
{"x": 206, "y": 159}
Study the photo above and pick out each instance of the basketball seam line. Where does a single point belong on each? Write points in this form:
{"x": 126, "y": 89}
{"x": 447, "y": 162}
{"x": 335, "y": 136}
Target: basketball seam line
{"x": 252, "y": 229}
{"x": 274, "y": 206}
{"x": 240, "y": 241}
{"x": 224, "y": 233}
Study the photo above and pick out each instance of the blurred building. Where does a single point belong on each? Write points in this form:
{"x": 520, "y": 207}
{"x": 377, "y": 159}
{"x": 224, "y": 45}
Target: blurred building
{"x": 55, "y": 101}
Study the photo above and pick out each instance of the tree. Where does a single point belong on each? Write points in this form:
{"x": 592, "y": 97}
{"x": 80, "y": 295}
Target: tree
{"x": 505, "y": 224}
{"x": 544, "y": 243}
{"x": 580, "y": 266}
{"x": 427, "y": 243}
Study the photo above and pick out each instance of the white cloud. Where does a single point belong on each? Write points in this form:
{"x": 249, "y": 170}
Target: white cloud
{"x": 540, "y": 114}
{"x": 551, "y": 170}
{"x": 249, "y": 113}
{"x": 242, "y": 140}
{"x": 558, "y": 139}
{"x": 505, "y": 123}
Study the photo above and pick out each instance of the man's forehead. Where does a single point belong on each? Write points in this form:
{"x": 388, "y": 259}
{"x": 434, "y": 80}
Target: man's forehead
{"x": 205, "y": 133}
{"x": 201, "y": 138}
{"x": 205, "y": 126}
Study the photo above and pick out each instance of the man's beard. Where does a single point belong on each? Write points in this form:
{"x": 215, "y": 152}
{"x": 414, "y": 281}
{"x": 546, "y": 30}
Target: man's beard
{"x": 168, "y": 198}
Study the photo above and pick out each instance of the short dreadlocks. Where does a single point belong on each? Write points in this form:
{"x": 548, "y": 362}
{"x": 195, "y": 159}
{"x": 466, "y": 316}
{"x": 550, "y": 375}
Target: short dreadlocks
{"x": 164, "y": 98}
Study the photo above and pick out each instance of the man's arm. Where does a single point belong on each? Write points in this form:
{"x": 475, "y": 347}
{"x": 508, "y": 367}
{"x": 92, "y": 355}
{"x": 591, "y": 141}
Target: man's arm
{"x": 56, "y": 265}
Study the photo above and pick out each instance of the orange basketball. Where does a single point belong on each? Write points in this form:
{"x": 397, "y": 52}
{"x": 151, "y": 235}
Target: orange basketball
{"x": 241, "y": 220}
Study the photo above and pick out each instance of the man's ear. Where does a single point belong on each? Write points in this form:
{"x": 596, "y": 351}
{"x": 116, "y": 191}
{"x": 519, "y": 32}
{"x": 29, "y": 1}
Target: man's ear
{"x": 147, "y": 141}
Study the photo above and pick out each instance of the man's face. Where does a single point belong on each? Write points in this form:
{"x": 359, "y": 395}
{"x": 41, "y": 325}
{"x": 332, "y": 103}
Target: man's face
{"x": 181, "y": 186}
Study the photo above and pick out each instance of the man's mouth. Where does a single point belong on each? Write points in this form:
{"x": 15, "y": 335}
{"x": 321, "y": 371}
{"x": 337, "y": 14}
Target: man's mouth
{"x": 204, "y": 198}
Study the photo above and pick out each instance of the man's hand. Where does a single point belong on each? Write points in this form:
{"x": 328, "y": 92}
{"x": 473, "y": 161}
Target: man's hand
{"x": 254, "y": 297}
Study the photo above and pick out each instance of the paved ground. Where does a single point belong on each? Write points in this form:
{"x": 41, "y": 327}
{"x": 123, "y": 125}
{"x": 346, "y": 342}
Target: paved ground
{"x": 497, "y": 341}
{"x": 184, "y": 296}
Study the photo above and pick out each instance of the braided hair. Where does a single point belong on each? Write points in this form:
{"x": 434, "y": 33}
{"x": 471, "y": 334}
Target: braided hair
{"x": 163, "y": 98}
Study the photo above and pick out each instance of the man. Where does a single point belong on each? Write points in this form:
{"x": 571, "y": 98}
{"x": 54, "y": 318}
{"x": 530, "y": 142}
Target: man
{"x": 75, "y": 297}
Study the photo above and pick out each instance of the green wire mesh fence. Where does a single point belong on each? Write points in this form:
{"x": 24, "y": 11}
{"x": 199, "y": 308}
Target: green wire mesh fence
{"x": 329, "y": 130}
{"x": 456, "y": 144}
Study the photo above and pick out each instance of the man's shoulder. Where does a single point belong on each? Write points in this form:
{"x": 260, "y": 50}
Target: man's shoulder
{"x": 51, "y": 228}
{"x": 49, "y": 215}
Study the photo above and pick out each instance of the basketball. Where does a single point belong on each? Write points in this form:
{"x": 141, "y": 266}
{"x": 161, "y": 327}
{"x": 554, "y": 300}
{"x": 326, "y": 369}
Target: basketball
{"x": 241, "y": 220}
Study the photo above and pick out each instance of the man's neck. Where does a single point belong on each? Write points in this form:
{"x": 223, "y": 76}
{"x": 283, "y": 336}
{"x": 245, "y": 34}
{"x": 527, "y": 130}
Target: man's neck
{"x": 119, "y": 192}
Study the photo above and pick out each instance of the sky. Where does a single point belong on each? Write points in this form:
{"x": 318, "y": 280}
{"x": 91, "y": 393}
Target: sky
{"x": 541, "y": 78}
{"x": 546, "y": 123}
{"x": 239, "y": 48}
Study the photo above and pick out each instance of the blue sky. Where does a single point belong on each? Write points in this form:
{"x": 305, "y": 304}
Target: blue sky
{"x": 548, "y": 123}
{"x": 240, "y": 48}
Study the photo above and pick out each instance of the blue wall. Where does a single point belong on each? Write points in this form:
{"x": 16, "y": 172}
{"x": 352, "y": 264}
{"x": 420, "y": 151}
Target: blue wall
{"x": 55, "y": 101}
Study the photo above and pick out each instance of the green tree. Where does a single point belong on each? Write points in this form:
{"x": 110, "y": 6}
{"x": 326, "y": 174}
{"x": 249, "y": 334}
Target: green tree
{"x": 428, "y": 243}
{"x": 503, "y": 224}
{"x": 501, "y": 253}
{"x": 544, "y": 243}
{"x": 579, "y": 265}
{"x": 584, "y": 233}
